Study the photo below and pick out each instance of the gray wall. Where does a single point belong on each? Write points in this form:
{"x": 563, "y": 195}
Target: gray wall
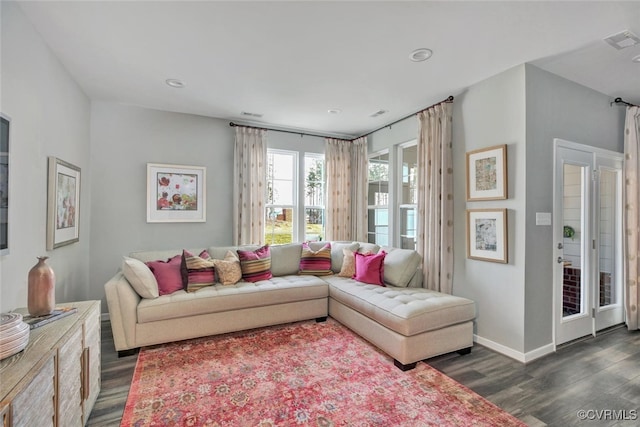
{"x": 123, "y": 140}
{"x": 556, "y": 108}
{"x": 50, "y": 117}
{"x": 489, "y": 113}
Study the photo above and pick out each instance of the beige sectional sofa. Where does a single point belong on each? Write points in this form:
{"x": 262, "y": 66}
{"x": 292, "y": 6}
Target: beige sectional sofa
{"x": 403, "y": 319}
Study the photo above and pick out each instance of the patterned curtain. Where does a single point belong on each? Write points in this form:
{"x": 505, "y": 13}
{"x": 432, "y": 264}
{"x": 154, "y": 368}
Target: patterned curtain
{"x": 346, "y": 164}
{"x": 435, "y": 197}
{"x": 249, "y": 192}
{"x": 632, "y": 218}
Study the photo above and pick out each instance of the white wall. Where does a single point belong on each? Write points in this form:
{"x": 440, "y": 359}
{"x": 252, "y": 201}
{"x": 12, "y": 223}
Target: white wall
{"x": 123, "y": 140}
{"x": 50, "y": 117}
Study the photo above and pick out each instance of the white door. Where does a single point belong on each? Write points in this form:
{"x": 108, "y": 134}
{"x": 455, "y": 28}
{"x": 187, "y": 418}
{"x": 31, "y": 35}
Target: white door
{"x": 588, "y": 238}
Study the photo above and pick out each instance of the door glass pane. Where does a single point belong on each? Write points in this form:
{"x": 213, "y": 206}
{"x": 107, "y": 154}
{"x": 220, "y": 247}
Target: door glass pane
{"x": 573, "y": 289}
{"x": 607, "y": 262}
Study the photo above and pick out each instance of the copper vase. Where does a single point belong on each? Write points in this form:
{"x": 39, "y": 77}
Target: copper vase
{"x": 42, "y": 296}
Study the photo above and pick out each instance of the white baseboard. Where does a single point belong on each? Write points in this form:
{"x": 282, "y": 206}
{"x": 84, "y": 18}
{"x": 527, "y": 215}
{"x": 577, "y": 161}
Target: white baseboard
{"x": 514, "y": 354}
{"x": 104, "y": 316}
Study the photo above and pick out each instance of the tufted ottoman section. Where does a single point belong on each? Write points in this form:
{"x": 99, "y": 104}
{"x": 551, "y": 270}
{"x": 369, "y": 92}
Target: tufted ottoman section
{"x": 407, "y": 311}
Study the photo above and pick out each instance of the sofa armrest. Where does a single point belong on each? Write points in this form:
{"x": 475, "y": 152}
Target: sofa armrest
{"x": 122, "y": 302}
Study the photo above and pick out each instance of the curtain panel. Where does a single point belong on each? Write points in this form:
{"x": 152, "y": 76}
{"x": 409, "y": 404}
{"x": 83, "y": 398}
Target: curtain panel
{"x": 249, "y": 192}
{"x": 347, "y": 179}
{"x": 632, "y": 215}
{"x": 435, "y": 197}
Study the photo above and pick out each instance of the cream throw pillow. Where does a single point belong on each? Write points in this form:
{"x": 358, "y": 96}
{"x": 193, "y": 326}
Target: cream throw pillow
{"x": 228, "y": 269}
{"x": 348, "y": 263}
{"x": 140, "y": 277}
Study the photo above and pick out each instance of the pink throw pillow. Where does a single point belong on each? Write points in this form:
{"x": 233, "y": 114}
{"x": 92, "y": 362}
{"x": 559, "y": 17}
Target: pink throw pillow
{"x": 370, "y": 268}
{"x": 167, "y": 274}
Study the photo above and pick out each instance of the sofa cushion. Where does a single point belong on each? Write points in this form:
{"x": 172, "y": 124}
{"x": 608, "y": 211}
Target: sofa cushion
{"x": 285, "y": 259}
{"x": 228, "y": 269}
{"x": 316, "y": 262}
{"x": 140, "y": 277}
{"x": 197, "y": 271}
{"x": 400, "y": 265}
{"x": 408, "y": 311}
{"x": 363, "y": 248}
{"x": 256, "y": 265}
{"x": 370, "y": 268}
{"x": 221, "y": 298}
{"x": 167, "y": 274}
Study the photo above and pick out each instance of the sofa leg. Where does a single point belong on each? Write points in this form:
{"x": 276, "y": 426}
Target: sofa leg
{"x": 321, "y": 319}
{"x": 464, "y": 351}
{"x": 130, "y": 352}
{"x": 404, "y": 367}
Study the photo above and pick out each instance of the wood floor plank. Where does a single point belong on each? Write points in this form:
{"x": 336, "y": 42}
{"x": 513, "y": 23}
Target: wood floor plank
{"x": 601, "y": 373}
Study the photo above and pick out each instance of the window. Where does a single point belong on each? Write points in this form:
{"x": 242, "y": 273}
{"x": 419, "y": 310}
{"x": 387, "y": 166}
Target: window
{"x": 408, "y": 200}
{"x": 314, "y": 185}
{"x": 281, "y": 196}
{"x": 378, "y": 209}
{"x": 294, "y": 211}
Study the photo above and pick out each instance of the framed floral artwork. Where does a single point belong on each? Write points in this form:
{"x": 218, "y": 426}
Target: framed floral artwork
{"x": 487, "y": 235}
{"x": 487, "y": 173}
{"x": 176, "y": 193}
{"x": 63, "y": 204}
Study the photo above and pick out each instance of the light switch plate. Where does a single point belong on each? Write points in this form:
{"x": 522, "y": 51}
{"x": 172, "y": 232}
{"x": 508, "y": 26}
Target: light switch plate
{"x": 543, "y": 218}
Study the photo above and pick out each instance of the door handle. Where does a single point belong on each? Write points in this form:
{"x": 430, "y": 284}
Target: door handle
{"x": 561, "y": 260}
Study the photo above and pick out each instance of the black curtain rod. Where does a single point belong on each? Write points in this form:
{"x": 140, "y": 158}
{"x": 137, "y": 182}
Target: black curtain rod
{"x": 449, "y": 99}
{"x": 623, "y": 102}
{"x": 280, "y": 130}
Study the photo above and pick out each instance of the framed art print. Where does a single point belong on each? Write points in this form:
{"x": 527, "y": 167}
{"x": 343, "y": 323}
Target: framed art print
{"x": 487, "y": 173}
{"x": 63, "y": 204}
{"x": 5, "y": 122}
{"x": 487, "y": 235}
{"x": 176, "y": 193}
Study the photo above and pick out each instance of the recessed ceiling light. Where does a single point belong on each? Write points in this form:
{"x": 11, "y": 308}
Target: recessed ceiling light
{"x": 334, "y": 111}
{"x": 421, "y": 54}
{"x": 636, "y": 59}
{"x": 179, "y": 84}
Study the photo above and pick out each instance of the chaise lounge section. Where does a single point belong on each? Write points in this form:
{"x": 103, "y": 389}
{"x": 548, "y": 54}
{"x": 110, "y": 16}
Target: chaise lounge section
{"x": 403, "y": 319}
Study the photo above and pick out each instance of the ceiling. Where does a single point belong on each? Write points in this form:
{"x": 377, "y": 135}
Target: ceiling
{"x": 294, "y": 61}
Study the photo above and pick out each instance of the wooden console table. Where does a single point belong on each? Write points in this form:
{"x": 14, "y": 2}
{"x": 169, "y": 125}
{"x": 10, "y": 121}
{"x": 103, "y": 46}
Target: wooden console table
{"x": 55, "y": 380}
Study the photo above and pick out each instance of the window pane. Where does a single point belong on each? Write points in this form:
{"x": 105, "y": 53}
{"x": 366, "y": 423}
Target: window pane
{"x": 314, "y": 229}
{"x": 314, "y": 181}
{"x": 409, "y": 175}
{"x": 282, "y": 193}
{"x": 283, "y": 166}
{"x": 379, "y": 226}
{"x": 408, "y": 227}
{"x": 314, "y": 197}
{"x": 279, "y": 225}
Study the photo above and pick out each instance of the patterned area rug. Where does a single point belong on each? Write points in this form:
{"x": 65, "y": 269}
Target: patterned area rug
{"x": 306, "y": 373}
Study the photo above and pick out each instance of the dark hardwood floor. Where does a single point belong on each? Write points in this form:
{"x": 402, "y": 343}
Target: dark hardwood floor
{"x": 598, "y": 375}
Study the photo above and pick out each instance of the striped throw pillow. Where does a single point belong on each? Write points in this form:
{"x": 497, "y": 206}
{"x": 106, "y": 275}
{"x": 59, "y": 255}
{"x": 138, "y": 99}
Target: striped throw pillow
{"x": 317, "y": 262}
{"x": 256, "y": 265}
{"x": 197, "y": 271}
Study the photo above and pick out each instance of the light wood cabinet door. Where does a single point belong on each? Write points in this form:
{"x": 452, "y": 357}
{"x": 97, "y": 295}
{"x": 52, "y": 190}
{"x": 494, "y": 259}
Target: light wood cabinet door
{"x": 91, "y": 362}
{"x": 69, "y": 390}
{"x": 35, "y": 404}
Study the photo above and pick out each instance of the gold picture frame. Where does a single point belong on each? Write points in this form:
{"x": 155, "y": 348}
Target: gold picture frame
{"x": 487, "y": 173}
{"x": 487, "y": 235}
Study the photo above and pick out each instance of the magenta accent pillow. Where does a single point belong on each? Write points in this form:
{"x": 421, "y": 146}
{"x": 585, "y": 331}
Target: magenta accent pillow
{"x": 167, "y": 274}
{"x": 370, "y": 268}
{"x": 256, "y": 265}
